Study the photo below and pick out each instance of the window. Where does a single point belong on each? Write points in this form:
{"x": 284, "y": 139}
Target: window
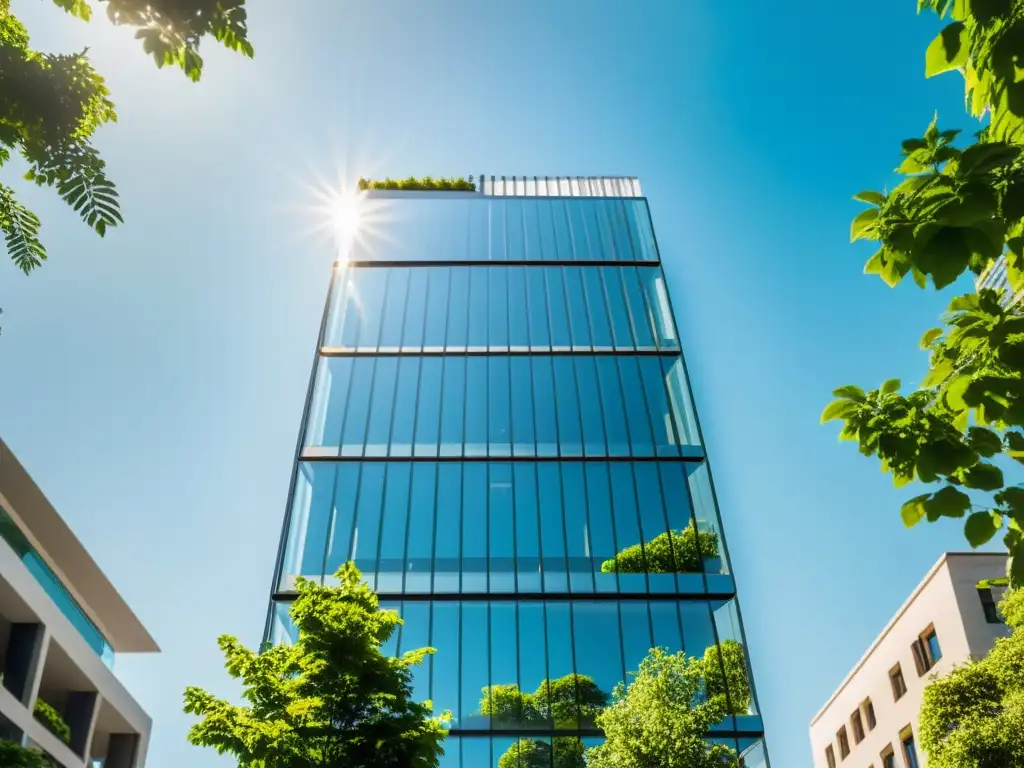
{"x": 869, "y": 713}
{"x": 988, "y": 605}
{"x": 899, "y": 686}
{"x": 909, "y": 750}
{"x": 926, "y": 650}
{"x": 844, "y": 743}
{"x": 857, "y": 725}
{"x": 830, "y": 756}
{"x": 888, "y": 757}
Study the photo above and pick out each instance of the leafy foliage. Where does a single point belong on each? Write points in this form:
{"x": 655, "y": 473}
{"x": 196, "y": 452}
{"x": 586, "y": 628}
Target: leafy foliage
{"x": 974, "y": 716}
{"x": 52, "y": 104}
{"x": 671, "y": 552}
{"x": 14, "y": 755}
{"x": 562, "y": 703}
{"x": 332, "y": 699}
{"x": 661, "y": 717}
{"x": 727, "y": 677}
{"x": 956, "y": 211}
{"x": 412, "y": 183}
{"x": 52, "y": 719}
{"x": 562, "y": 752}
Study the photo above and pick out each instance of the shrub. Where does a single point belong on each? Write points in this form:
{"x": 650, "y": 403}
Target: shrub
{"x": 52, "y": 721}
{"x": 426, "y": 183}
{"x": 671, "y": 552}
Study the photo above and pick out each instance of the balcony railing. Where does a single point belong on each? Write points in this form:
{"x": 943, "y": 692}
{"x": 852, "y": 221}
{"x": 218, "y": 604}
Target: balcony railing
{"x": 51, "y": 584}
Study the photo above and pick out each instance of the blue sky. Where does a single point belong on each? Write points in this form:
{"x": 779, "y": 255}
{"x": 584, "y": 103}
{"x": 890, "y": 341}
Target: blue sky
{"x": 153, "y": 380}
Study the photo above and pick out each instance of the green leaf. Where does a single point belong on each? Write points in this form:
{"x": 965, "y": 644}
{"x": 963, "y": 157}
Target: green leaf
{"x": 984, "y": 441}
{"x": 912, "y": 145}
{"x": 850, "y": 392}
{"x": 948, "y": 502}
{"x": 980, "y": 527}
{"x": 930, "y": 336}
{"x": 985, "y": 158}
{"x": 1014, "y": 442}
{"x": 875, "y": 198}
{"x": 913, "y": 511}
{"x": 988, "y": 11}
{"x": 984, "y": 477}
{"x": 863, "y": 226}
{"x": 954, "y": 393}
{"x": 944, "y": 255}
{"x": 890, "y": 386}
{"x": 949, "y": 50}
{"x": 839, "y": 409}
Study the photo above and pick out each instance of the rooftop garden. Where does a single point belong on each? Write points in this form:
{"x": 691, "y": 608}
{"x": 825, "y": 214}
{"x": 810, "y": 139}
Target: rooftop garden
{"x": 426, "y": 183}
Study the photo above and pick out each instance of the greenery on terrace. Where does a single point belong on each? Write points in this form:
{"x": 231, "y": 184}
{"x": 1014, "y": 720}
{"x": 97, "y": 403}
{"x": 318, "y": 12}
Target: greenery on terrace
{"x": 671, "y": 552}
{"x": 452, "y": 184}
{"x": 53, "y": 721}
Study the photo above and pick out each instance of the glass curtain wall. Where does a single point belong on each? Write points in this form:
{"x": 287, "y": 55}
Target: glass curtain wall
{"x": 500, "y": 434}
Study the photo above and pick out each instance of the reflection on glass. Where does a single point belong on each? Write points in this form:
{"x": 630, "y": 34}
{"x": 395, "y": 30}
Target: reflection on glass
{"x": 495, "y": 307}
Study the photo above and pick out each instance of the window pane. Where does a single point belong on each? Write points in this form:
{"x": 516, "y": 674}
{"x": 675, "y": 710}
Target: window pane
{"x": 474, "y": 527}
{"x": 476, "y": 406}
{"x": 627, "y": 530}
{"x": 346, "y": 489}
{"x": 581, "y": 574}
{"x": 427, "y": 426}
{"x": 382, "y": 408}
{"x": 682, "y": 406}
{"x": 394, "y": 308}
{"x": 579, "y": 322}
{"x": 502, "y": 529}
{"x": 622, "y": 328}
{"x": 367, "y": 529}
{"x": 518, "y": 230}
{"x": 665, "y": 620}
{"x": 445, "y": 638}
{"x": 580, "y": 235}
{"x": 598, "y": 654}
{"x": 369, "y": 290}
{"x": 598, "y": 307}
{"x": 636, "y": 633}
{"x": 475, "y": 642}
{"x": 527, "y": 529}
{"x": 662, "y": 421}
{"x": 638, "y": 410}
{"x": 552, "y": 532}
{"x": 522, "y": 406}
{"x": 415, "y": 309}
{"x": 519, "y": 327}
{"x": 560, "y": 335}
{"x": 419, "y": 557}
{"x": 497, "y": 307}
{"x": 393, "y": 528}
{"x": 590, "y": 406}
{"x": 330, "y": 396}
{"x": 537, "y": 300}
{"x": 415, "y": 634}
{"x": 452, "y": 405}
{"x": 532, "y": 653}
{"x": 544, "y": 406}
{"x": 680, "y": 522}
{"x": 404, "y": 417}
{"x": 500, "y": 409}
{"x": 661, "y": 563}
{"x": 612, "y": 406}
{"x": 602, "y": 531}
{"x": 458, "y": 308}
{"x": 437, "y": 307}
{"x": 547, "y": 215}
{"x": 505, "y": 713}
{"x": 356, "y": 413}
{"x": 563, "y": 249}
{"x": 560, "y": 653}
{"x": 657, "y": 299}
{"x": 310, "y": 521}
{"x": 449, "y": 529}
{"x": 478, "y": 307}
{"x": 570, "y": 439}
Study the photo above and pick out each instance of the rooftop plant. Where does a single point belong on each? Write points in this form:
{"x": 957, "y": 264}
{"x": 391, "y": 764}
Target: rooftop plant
{"x": 412, "y": 183}
{"x": 671, "y": 552}
{"x": 52, "y": 721}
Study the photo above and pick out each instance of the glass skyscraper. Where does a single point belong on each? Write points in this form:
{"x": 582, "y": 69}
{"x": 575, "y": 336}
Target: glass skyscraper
{"x": 500, "y": 433}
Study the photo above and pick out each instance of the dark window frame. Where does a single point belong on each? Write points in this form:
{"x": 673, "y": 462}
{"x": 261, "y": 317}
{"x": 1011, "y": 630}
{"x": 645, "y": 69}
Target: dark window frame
{"x": 857, "y": 726}
{"x": 900, "y": 690}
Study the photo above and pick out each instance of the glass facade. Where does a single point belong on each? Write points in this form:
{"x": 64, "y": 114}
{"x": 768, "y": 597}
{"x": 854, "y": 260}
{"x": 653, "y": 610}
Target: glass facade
{"x": 500, "y": 433}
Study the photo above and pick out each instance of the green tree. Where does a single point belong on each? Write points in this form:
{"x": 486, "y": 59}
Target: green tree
{"x": 974, "y": 716}
{"x": 661, "y": 718}
{"x": 14, "y": 755}
{"x": 727, "y": 677}
{"x": 956, "y": 210}
{"x": 331, "y": 700}
{"x": 671, "y": 552}
{"x": 52, "y": 104}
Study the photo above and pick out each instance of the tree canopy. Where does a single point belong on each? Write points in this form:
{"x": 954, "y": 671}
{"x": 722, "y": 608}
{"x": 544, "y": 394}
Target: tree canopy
{"x": 955, "y": 211}
{"x": 52, "y": 104}
{"x": 331, "y": 700}
{"x": 974, "y": 716}
{"x": 661, "y": 718}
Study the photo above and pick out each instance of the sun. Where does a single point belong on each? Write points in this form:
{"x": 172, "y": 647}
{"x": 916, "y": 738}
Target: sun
{"x": 344, "y": 211}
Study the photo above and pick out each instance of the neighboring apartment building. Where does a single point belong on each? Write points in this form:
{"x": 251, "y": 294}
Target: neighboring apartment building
{"x": 61, "y": 622}
{"x": 871, "y": 719}
{"x": 995, "y": 277}
{"x": 499, "y": 407}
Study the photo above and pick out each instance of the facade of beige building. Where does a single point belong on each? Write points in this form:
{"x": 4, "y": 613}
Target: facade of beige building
{"x": 871, "y": 719}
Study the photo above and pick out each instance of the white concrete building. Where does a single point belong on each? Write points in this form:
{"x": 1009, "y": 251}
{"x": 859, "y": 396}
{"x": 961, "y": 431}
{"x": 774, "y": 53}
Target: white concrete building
{"x": 61, "y": 622}
{"x": 871, "y": 719}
